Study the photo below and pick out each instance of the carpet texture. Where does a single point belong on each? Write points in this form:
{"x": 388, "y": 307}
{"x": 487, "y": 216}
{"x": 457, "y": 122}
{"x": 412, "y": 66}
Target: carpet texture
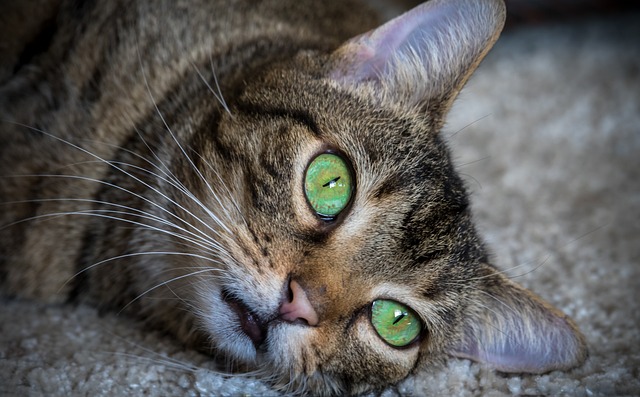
{"x": 547, "y": 134}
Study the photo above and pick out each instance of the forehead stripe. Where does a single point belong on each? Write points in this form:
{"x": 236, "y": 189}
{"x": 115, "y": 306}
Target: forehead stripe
{"x": 300, "y": 116}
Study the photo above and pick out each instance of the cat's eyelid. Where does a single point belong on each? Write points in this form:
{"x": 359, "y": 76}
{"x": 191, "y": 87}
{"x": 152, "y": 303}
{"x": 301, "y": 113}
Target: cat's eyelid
{"x": 401, "y": 294}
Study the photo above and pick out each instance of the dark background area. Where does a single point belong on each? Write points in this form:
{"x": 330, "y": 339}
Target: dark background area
{"x": 532, "y": 12}
{"x": 520, "y": 12}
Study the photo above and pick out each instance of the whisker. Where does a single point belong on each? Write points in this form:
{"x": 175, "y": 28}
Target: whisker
{"x": 226, "y": 189}
{"x": 215, "y": 79}
{"x": 183, "y": 189}
{"x": 173, "y": 181}
{"x": 147, "y": 253}
{"x": 171, "y": 363}
{"x": 195, "y": 242}
{"x": 131, "y": 176}
{"x": 218, "y": 95}
{"x": 99, "y": 214}
{"x": 162, "y": 359}
{"x": 472, "y": 177}
{"x": 178, "y": 144}
{"x": 500, "y": 301}
{"x": 174, "y": 279}
{"x": 202, "y": 235}
{"x": 162, "y": 167}
{"x": 474, "y": 161}
{"x": 541, "y": 262}
{"x": 453, "y": 134}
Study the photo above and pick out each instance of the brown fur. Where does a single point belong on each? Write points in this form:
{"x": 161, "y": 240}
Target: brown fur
{"x": 112, "y": 114}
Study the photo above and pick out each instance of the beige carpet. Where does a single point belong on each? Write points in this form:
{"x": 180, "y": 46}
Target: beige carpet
{"x": 552, "y": 156}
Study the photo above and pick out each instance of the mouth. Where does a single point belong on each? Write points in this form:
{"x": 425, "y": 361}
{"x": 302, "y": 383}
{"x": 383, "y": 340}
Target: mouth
{"x": 250, "y": 323}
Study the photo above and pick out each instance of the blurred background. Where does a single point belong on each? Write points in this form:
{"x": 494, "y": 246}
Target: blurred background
{"x": 531, "y": 12}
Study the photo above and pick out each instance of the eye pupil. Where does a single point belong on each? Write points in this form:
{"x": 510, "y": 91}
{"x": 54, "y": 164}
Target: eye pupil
{"x": 398, "y": 318}
{"x": 332, "y": 183}
{"x": 328, "y": 184}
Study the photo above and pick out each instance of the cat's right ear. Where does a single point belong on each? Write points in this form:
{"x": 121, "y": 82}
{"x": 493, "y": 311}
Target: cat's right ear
{"x": 422, "y": 57}
{"x": 514, "y": 330}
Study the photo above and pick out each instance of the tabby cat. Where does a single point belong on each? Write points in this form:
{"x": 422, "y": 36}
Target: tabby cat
{"x": 264, "y": 181}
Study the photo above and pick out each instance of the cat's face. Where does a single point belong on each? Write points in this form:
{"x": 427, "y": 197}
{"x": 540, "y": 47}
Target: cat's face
{"x": 341, "y": 252}
{"x": 397, "y": 238}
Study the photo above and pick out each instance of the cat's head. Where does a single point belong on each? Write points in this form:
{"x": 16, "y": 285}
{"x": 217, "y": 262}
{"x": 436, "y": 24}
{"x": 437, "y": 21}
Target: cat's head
{"x": 347, "y": 251}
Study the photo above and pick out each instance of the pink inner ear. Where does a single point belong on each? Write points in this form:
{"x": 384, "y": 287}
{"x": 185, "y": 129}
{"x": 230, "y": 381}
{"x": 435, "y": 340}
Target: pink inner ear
{"x": 519, "y": 332}
{"x": 518, "y": 351}
{"x": 427, "y": 52}
{"x": 372, "y": 54}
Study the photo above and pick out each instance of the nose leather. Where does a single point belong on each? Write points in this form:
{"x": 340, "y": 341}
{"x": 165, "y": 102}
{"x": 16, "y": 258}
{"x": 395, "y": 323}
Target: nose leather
{"x": 297, "y": 307}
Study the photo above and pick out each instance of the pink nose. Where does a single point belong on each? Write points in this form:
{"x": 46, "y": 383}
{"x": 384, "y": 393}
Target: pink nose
{"x": 297, "y": 307}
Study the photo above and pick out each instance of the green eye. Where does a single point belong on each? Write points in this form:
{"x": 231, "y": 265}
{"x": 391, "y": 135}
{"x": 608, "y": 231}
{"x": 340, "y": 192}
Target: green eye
{"x": 397, "y": 324}
{"x": 328, "y": 184}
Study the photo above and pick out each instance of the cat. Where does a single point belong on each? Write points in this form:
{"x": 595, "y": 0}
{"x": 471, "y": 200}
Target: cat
{"x": 264, "y": 180}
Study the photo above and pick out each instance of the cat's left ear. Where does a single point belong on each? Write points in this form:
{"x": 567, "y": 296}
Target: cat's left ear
{"x": 423, "y": 56}
{"x": 514, "y": 330}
